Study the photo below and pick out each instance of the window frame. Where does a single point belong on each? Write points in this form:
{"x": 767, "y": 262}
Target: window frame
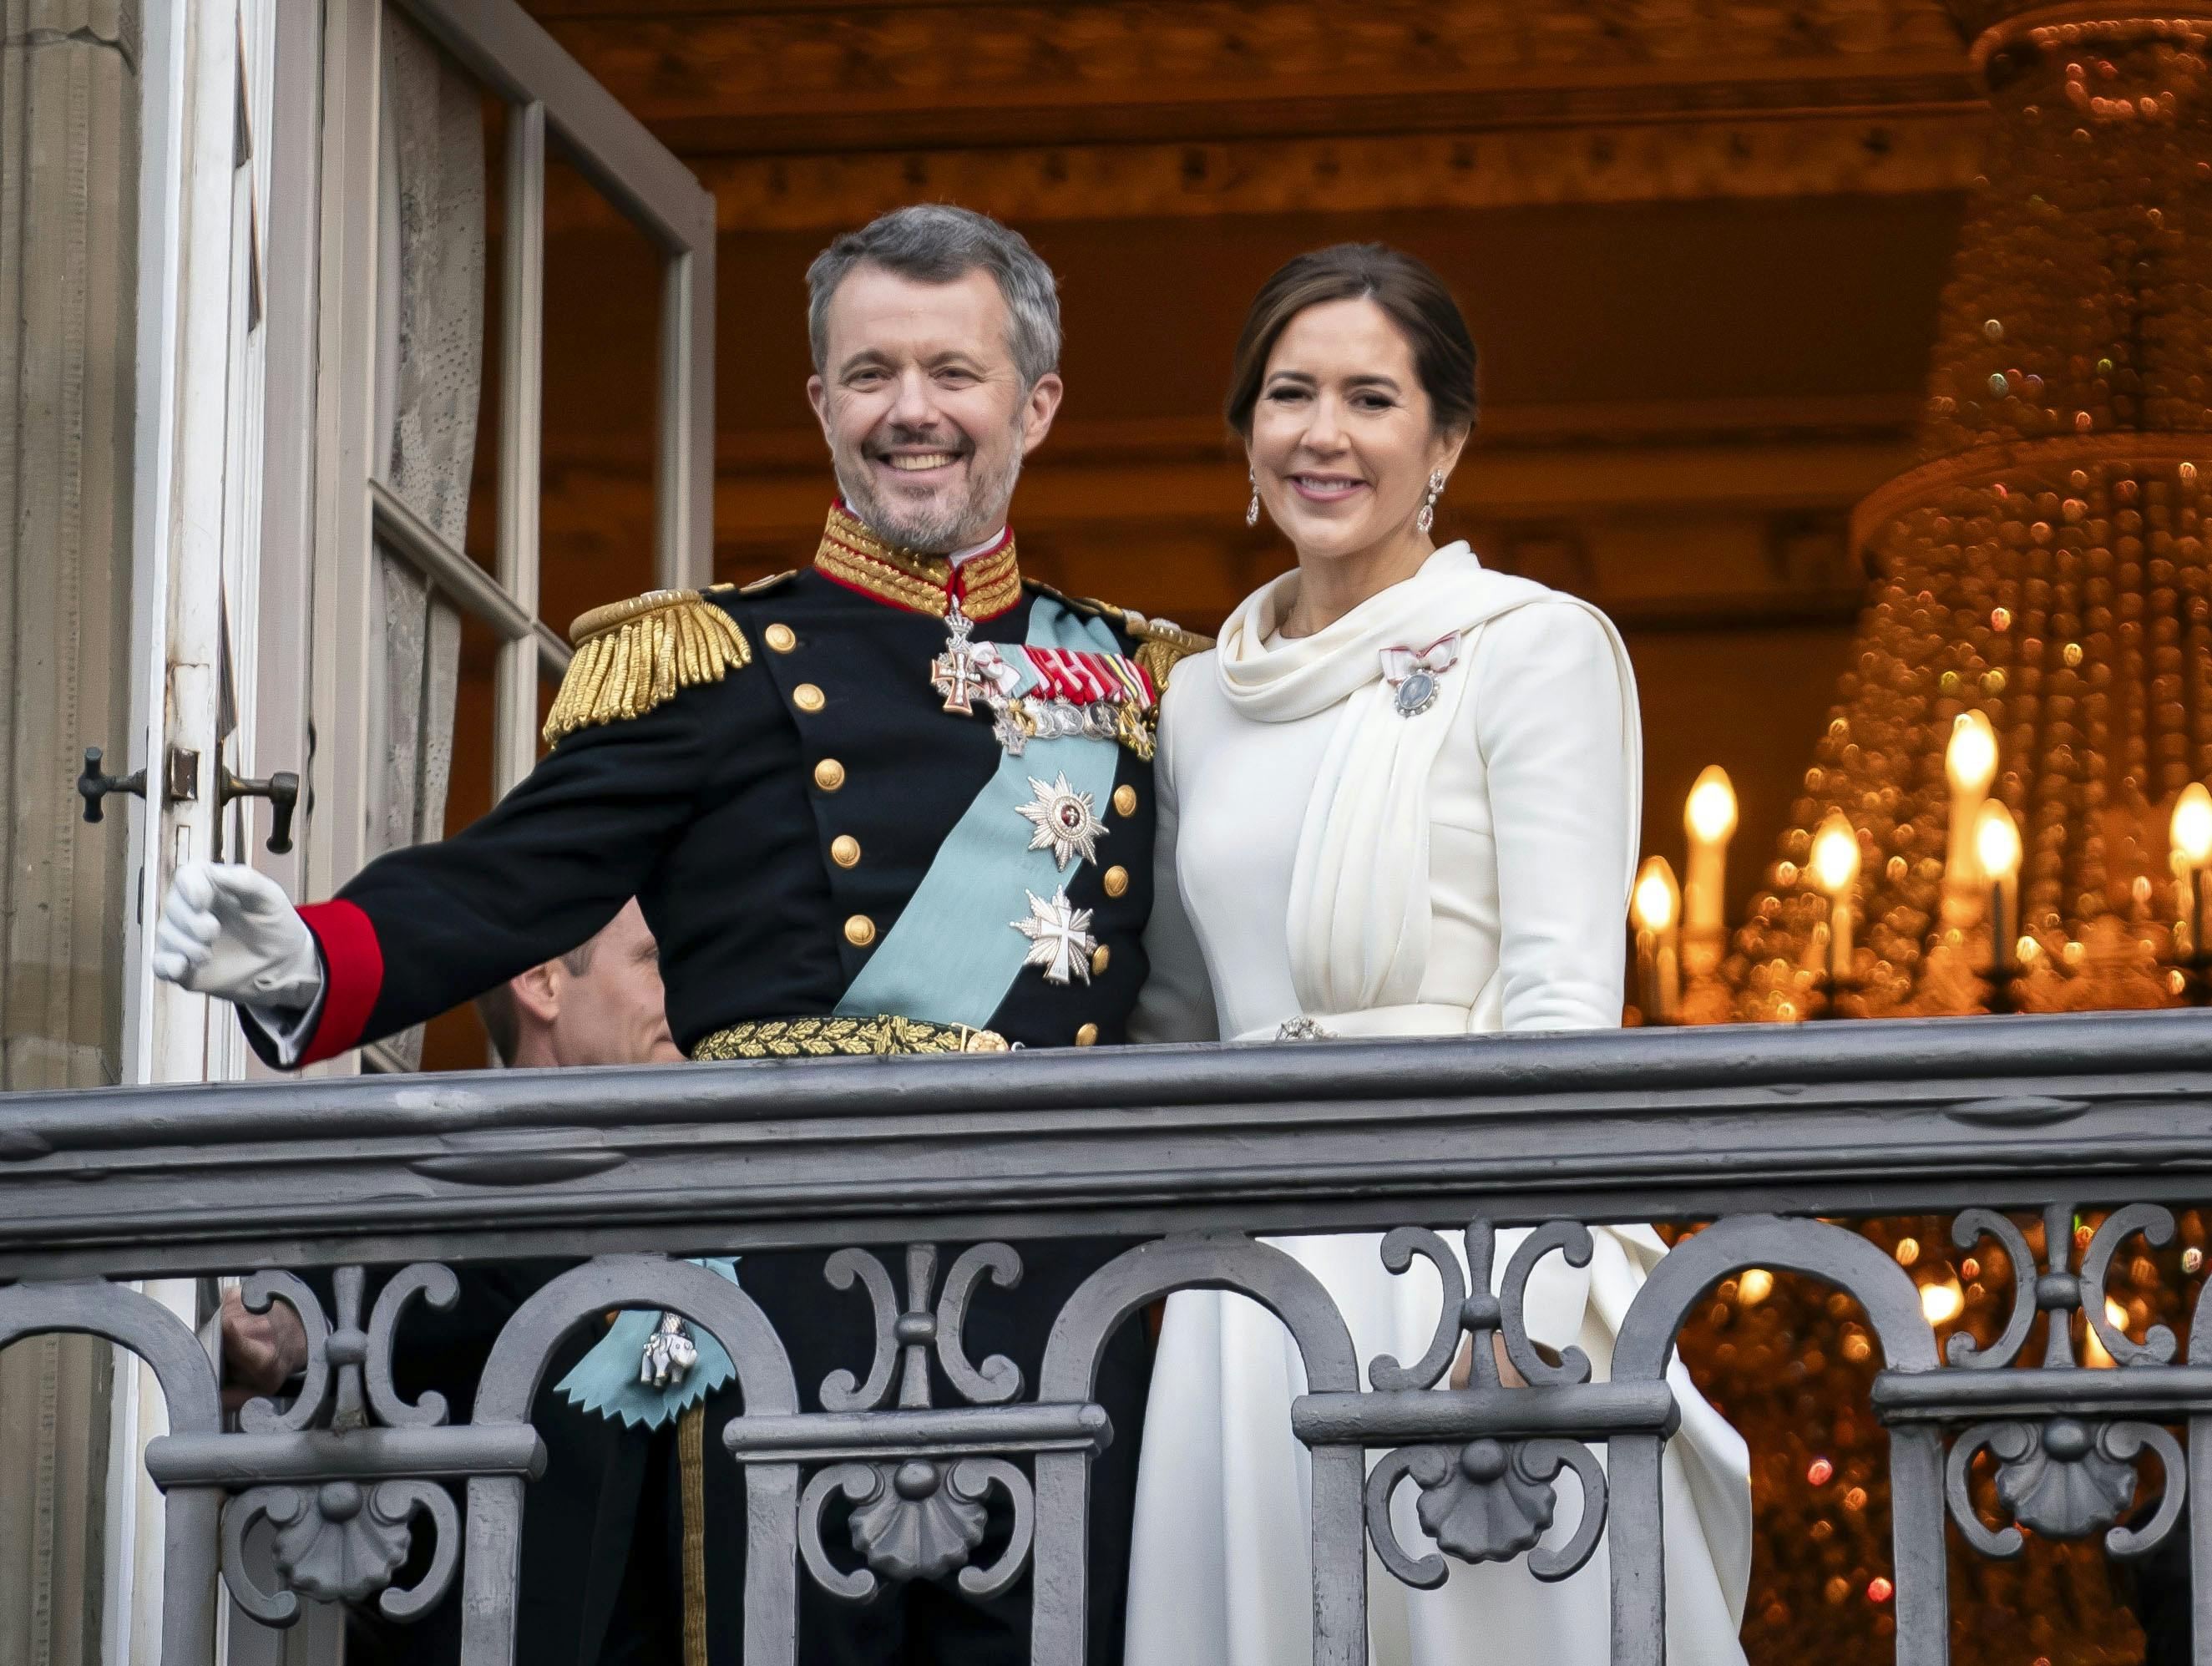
{"x": 549, "y": 97}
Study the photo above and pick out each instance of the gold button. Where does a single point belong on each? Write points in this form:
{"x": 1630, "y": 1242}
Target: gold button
{"x": 859, "y": 931}
{"x": 1116, "y": 880}
{"x": 807, "y": 697}
{"x": 1099, "y": 957}
{"x": 845, "y": 850}
{"x": 781, "y": 637}
{"x": 829, "y": 774}
{"x": 1125, "y": 800}
{"x": 1087, "y": 1035}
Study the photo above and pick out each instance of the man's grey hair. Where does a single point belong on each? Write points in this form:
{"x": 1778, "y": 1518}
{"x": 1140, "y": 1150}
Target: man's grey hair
{"x": 940, "y": 243}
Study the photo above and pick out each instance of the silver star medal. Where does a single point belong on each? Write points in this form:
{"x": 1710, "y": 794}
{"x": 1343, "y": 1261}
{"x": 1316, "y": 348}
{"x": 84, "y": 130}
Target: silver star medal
{"x": 1067, "y": 821}
{"x": 1059, "y": 937}
{"x": 1008, "y": 728}
{"x": 998, "y": 680}
{"x": 956, "y": 673}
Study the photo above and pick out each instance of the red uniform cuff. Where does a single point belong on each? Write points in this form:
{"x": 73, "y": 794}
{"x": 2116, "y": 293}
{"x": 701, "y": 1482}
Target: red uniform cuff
{"x": 352, "y": 968}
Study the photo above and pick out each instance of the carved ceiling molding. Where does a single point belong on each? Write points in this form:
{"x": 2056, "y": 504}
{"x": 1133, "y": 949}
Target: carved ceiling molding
{"x": 938, "y": 78}
{"x": 767, "y": 67}
{"x": 808, "y": 116}
{"x": 1917, "y": 87}
{"x": 1622, "y": 163}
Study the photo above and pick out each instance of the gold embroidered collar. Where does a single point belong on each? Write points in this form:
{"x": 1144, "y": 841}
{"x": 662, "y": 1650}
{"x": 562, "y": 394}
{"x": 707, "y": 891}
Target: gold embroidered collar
{"x": 855, "y": 557}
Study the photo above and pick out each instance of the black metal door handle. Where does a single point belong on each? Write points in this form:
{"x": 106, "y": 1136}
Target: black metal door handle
{"x": 92, "y": 785}
{"x": 282, "y": 789}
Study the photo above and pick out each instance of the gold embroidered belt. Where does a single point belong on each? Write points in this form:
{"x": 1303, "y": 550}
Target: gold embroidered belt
{"x": 832, "y": 1037}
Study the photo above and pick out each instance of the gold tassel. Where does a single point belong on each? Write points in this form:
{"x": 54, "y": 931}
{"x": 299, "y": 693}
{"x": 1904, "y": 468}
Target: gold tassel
{"x": 634, "y": 655}
{"x": 691, "y": 1456}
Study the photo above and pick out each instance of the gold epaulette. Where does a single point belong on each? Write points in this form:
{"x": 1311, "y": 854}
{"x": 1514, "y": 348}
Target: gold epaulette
{"x": 1160, "y": 645}
{"x": 632, "y": 656}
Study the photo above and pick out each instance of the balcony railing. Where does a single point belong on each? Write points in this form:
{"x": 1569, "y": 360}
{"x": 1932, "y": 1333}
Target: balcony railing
{"x": 1776, "y": 1135}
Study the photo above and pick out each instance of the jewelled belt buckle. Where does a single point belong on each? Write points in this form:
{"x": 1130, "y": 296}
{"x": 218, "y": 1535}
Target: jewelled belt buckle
{"x": 1303, "y": 1028}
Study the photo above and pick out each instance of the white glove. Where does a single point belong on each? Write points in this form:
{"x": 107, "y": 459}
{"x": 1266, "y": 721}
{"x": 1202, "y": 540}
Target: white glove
{"x": 229, "y": 932}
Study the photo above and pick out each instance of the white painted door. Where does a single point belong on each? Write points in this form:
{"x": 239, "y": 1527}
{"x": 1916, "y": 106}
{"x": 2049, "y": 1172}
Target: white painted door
{"x": 201, "y": 366}
{"x": 270, "y": 506}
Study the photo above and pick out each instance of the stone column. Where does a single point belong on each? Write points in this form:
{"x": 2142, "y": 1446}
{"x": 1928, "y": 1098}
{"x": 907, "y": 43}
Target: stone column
{"x": 68, "y": 189}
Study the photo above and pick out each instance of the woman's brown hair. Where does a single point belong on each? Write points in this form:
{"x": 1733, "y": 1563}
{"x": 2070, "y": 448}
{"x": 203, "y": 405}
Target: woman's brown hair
{"x": 1407, "y": 290}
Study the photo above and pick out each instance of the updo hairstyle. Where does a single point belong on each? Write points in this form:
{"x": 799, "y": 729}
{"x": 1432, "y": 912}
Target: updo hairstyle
{"x": 1408, "y": 289}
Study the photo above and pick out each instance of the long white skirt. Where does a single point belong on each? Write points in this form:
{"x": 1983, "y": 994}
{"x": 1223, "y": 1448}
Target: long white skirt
{"x": 1221, "y": 1571}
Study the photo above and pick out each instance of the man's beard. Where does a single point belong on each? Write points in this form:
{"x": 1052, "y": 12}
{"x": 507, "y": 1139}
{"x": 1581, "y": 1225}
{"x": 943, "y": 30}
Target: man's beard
{"x": 967, "y": 518}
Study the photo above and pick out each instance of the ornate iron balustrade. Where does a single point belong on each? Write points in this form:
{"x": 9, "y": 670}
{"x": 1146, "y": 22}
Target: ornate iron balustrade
{"x": 1777, "y": 1134}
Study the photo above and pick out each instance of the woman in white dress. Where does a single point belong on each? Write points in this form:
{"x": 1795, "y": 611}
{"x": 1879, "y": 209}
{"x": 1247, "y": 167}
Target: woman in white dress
{"x": 1400, "y": 798}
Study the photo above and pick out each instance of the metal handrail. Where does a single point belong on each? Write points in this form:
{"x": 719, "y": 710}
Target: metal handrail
{"x": 1828, "y": 1120}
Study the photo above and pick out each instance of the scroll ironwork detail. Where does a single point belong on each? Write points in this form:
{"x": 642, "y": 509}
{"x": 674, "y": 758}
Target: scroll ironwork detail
{"x": 917, "y": 1477}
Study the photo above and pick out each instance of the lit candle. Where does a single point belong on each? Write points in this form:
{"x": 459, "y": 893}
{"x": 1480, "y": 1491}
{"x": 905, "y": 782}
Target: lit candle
{"x": 2191, "y": 833}
{"x": 1996, "y": 853}
{"x": 1656, "y": 905}
{"x": 1836, "y": 871}
{"x": 1969, "y": 764}
{"x": 1709, "y": 819}
{"x": 2185, "y": 904}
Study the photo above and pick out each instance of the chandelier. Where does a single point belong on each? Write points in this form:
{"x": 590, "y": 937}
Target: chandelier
{"x": 2004, "y": 813}
{"x": 2007, "y": 811}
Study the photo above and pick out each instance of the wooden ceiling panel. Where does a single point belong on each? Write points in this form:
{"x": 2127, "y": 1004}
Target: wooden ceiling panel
{"x": 806, "y": 115}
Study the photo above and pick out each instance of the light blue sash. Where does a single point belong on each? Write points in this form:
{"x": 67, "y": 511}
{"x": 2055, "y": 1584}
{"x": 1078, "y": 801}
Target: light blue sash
{"x": 954, "y": 952}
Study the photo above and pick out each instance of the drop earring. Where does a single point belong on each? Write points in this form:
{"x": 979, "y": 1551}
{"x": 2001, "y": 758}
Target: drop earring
{"x": 1427, "y": 518}
{"x": 1252, "y": 509}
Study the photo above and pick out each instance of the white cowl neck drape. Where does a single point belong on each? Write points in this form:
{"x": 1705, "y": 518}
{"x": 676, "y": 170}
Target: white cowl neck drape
{"x": 1359, "y": 906}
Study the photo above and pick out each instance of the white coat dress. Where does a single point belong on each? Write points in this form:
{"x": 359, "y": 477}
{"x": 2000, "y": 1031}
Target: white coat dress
{"x": 1462, "y": 871}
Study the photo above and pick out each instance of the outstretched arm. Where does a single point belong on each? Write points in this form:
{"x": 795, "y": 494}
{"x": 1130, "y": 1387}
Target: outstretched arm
{"x": 424, "y": 928}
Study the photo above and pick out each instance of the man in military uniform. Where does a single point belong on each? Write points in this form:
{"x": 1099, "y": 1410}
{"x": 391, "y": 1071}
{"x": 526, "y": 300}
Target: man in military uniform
{"x": 898, "y": 801}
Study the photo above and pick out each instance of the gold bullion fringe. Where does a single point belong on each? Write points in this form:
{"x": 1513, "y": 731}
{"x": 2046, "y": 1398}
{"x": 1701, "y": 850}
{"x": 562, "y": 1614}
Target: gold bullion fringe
{"x": 634, "y": 655}
{"x": 1161, "y": 646}
{"x": 1138, "y": 727}
{"x": 691, "y": 1456}
{"x": 831, "y": 1037}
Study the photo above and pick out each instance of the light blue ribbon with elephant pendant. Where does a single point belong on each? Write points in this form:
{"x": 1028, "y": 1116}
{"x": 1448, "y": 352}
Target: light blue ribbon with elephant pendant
{"x": 951, "y": 958}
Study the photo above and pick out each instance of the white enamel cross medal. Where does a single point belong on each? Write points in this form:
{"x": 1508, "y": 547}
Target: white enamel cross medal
{"x": 1059, "y": 938}
{"x": 956, "y": 673}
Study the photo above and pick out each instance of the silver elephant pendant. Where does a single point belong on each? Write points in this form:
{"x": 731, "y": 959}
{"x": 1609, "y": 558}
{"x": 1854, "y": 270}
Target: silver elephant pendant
{"x": 669, "y": 1353}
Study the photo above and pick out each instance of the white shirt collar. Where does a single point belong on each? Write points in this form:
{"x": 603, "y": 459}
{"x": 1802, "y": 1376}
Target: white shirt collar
{"x": 975, "y": 550}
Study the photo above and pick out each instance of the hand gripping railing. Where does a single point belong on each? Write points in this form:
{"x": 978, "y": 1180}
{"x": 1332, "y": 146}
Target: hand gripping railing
{"x": 1195, "y": 1152}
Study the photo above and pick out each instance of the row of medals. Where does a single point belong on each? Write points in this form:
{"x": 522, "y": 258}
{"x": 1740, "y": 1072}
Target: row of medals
{"x": 1062, "y": 820}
